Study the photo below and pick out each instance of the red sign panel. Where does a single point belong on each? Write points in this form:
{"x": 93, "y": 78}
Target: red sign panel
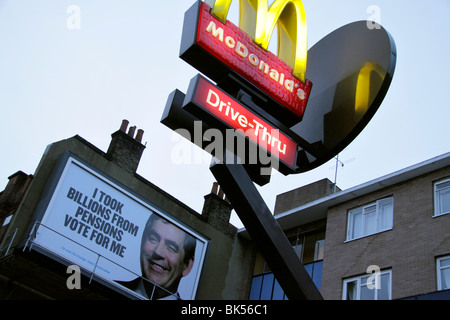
{"x": 262, "y": 68}
{"x": 236, "y": 116}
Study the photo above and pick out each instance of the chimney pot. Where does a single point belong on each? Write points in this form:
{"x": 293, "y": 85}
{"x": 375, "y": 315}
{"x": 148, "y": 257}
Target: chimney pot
{"x": 124, "y": 125}
{"x": 221, "y": 194}
{"x": 131, "y": 131}
{"x": 214, "y": 188}
{"x": 139, "y": 135}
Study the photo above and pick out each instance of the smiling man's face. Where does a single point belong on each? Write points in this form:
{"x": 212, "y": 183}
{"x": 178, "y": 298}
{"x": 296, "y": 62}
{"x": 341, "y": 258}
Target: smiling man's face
{"x": 163, "y": 254}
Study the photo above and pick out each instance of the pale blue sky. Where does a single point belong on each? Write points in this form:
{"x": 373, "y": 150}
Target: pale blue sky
{"x": 122, "y": 63}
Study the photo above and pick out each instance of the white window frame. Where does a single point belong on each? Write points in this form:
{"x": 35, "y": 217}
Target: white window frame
{"x": 439, "y": 269}
{"x": 366, "y": 281}
{"x": 438, "y": 191}
{"x": 374, "y": 208}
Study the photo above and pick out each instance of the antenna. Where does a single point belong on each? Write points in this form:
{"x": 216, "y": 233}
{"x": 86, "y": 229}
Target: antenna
{"x": 336, "y": 166}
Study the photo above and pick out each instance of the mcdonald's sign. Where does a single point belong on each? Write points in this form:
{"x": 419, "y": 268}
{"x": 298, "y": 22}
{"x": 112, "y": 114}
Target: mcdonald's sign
{"x": 261, "y": 97}
{"x": 223, "y": 51}
{"x": 352, "y": 69}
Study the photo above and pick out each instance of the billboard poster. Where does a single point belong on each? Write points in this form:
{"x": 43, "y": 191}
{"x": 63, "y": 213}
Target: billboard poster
{"x": 95, "y": 223}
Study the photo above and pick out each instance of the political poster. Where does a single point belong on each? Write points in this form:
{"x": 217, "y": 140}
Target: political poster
{"x": 97, "y": 224}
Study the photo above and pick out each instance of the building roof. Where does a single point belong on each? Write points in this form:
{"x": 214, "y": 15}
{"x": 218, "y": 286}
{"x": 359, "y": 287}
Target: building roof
{"x": 318, "y": 209}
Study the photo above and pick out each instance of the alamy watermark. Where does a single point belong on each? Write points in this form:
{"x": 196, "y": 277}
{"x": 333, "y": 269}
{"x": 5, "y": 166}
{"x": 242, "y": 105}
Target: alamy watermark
{"x": 373, "y": 282}
{"x": 374, "y": 20}
{"x": 73, "y": 21}
{"x": 74, "y": 280}
{"x": 230, "y": 146}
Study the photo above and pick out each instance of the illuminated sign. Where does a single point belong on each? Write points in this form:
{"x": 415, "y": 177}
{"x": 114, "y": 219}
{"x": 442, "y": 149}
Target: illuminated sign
{"x": 209, "y": 103}
{"x": 217, "y": 48}
{"x": 292, "y": 36}
{"x": 351, "y": 69}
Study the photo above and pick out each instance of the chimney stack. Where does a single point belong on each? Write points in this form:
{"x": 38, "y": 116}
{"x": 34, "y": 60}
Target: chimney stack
{"x": 125, "y": 150}
{"x": 217, "y": 210}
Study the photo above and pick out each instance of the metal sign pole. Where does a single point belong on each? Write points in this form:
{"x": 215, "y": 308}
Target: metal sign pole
{"x": 265, "y": 231}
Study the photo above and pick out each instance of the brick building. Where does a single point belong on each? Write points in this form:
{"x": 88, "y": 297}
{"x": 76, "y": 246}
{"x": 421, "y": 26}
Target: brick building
{"x": 390, "y": 234}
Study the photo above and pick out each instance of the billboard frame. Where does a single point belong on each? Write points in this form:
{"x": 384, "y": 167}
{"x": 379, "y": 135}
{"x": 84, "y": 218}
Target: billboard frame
{"x": 50, "y": 193}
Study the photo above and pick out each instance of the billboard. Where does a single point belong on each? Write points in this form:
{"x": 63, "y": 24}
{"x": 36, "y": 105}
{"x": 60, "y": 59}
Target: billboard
{"x": 91, "y": 221}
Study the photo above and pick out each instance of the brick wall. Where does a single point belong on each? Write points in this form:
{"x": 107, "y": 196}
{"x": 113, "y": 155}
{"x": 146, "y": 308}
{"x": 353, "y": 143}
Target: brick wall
{"x": 303, "y": 195}
{"x": 217, "y": 211}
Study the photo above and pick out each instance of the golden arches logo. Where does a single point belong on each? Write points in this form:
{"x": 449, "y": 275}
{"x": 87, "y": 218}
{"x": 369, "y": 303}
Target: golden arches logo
{"x": 258, "y": 21}
{"x": 363, "y": 86}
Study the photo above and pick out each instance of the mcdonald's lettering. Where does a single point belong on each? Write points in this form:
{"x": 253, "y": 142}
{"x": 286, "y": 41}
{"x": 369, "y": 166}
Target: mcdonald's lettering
{"x": 258, "y": 21}
{"x": 239, "y": 52}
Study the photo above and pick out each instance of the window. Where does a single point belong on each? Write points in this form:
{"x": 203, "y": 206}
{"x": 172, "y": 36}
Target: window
{"x": 370, "y": 219}
{"x": 375, "y": 286}
{"x": 266, "y": 286}
{"x": 309, "y": 246}
{"x": 442, "y": 197}
{"x": 308, "y": 242}
{"x": 443, "y": 273}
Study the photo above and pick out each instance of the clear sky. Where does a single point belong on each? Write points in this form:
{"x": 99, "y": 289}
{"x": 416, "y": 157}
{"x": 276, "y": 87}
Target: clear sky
{"x": 81, "y": 66}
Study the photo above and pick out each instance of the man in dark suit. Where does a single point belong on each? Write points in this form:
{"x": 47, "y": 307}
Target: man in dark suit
{"x": 167, "y": 255}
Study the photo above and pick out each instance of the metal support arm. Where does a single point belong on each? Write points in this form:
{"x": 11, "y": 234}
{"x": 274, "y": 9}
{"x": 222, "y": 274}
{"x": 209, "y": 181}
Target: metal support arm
{"x": 265, "y": 231}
